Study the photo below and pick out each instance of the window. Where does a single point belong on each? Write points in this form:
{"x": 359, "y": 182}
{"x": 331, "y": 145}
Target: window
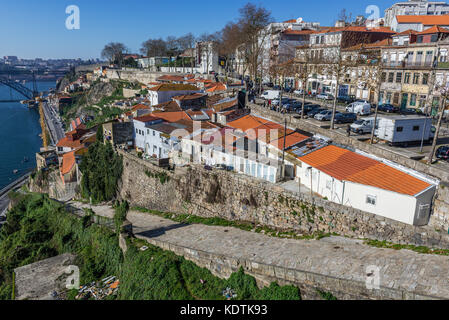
{"x": 399, "y": 77}
{"x": 396, "y": 98}
{"x": 390, "y": 77}
{"x": 415, "y": 128}
{"x": 413, "y": 100}
{"x": 399, "y": 129}
{"x": 407, "y": 78}
{"x": 388, "y": 97}
{"x": 148, "y": 131}
{"x": 420, "y": 39}
{"x": 425, "y": 78}
{"x": 371, "y": 200}
{"x": 434, "y": 38}
{"x": 154, "y": 133}
{"x": 415, "y": 78}
{"x": 329, "y": 184}
{"x": 383, "y": 76}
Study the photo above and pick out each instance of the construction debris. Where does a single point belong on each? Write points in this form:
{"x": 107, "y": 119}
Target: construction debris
{"x": 99, "y": 290}
{"x": 229, "y": 294}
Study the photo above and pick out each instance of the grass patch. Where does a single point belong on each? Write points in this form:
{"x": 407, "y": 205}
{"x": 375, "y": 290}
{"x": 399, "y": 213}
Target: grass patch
{"x": 419, "y": 249}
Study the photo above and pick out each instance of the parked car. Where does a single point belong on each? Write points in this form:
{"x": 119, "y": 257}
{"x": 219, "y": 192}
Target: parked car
{"x": 325, "y": 115}
{"x": 271, "y": 94}
{"x": 443, "y": 153}
{"x": 325, "y": 96}
{"x": 362, "y": 109}
{"x": 285, "y": 101}
{"x": 346, "y": 99}
{"x": 409, "y": 111}
{"x": 363, "y": 126}
{"x": 276, "y": 87}
{"x": 311, "y": 114}
{"x": 299, "y": 92}
{"x": 361, "y": 101}
{"x": 345, "y": 117}
{"x": 307, "y": 108}
{"x": 389, "y": 108}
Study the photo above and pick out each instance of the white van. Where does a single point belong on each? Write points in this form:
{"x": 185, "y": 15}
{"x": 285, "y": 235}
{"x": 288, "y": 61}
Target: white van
{"x": 364, "y": 125}
{"x": 362, "y": 109}
{"x": 271, "y": 94}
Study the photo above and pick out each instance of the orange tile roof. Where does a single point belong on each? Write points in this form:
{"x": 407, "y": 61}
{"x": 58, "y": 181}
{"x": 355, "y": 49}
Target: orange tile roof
{"x": 171, "y": 116}
{"x": 216, "y": 87}
{"x": 290, "y": 140}
{"x": 425, "y": 20}
{"x": 147, "y": 118}
{"x": 68, "y": 161}
{"x": 406, "y": 32}
{"x": 434, "y": 29}
{"x": 140, "y": 107}
{"x": 65, "y": 142}
{"x": 346, "y": 165}
{"x": 174, "y": 87}
{"x": 247, "y": 122}
{"x": 299, "y": 32}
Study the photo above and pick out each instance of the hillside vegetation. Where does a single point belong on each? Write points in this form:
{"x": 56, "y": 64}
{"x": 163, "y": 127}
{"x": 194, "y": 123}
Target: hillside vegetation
{"x": 40, "y": 228}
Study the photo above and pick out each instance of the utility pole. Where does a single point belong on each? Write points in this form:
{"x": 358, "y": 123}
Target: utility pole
{"x": 435, "y": 138}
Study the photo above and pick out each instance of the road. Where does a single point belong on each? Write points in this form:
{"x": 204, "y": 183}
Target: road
{"x": 53, "y": 123}
{"x": 410, "y": 151}
{"x": 4, "y": 199}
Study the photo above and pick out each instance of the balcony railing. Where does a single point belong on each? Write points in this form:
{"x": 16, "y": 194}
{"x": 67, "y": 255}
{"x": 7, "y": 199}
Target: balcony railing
{"x": 418, "y": 64}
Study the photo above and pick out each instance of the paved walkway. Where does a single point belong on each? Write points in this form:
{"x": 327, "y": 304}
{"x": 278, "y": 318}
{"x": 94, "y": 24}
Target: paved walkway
{"x": 337, "y": 257}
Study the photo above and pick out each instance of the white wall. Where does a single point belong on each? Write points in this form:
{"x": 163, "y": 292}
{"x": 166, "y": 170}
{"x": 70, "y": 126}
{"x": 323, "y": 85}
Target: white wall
{"x": 389, "y": 204}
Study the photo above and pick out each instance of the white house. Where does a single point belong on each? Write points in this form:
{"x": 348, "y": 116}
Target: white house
{"x": 156, "y": 137}
{"x": 164, "y": 92}
{"x": 354, "y": 180}
{"x": 217, "y": 147}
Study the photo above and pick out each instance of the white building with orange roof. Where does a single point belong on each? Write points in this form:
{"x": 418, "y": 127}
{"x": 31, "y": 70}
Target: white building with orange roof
{"x": 365, "y": 183}
{"x": 164, "y": 92}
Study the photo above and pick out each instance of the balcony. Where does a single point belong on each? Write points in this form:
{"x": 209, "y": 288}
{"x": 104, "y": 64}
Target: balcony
{"x": 418, "y": 64}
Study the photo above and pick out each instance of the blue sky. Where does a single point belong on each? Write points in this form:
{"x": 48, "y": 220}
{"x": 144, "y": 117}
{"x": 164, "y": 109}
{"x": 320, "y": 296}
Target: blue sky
{"x": 36, "y": 28}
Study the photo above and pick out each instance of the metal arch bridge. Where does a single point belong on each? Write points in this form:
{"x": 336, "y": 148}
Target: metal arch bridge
{"x": 26, "y": 92}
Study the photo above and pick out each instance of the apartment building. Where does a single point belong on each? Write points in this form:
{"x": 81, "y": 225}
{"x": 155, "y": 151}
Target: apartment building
{"x": 415, "y": 7}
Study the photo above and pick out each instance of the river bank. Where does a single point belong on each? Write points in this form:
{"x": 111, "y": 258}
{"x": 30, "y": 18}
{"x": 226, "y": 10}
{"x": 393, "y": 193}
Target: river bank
{"x": 19, "y": 135}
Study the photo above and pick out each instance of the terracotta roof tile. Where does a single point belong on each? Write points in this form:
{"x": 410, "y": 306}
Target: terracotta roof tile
{"x": 68, "y": 161}
{"x": 425, "y": 20}
{"x": 346, "y": 165}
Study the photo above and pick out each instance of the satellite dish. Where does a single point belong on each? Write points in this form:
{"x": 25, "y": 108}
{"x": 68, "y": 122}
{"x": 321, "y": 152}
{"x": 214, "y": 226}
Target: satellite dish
{"x": 299, "y": 20}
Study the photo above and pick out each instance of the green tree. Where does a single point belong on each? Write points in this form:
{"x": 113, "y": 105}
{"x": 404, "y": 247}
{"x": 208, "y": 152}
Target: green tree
{"x": 100, "y": 137}
{"x": 102, "y": 169}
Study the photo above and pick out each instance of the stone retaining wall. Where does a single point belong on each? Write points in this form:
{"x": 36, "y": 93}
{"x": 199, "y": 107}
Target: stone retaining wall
{"x": 236, "y": 197}
{"x": 308, "y": 282}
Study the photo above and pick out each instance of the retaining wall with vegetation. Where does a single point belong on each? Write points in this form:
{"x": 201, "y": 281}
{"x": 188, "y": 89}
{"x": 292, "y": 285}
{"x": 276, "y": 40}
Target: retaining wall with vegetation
{"x": 236, "y": 197}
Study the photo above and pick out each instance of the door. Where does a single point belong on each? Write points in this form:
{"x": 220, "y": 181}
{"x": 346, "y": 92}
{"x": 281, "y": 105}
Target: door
{"x": 404, "y": 101}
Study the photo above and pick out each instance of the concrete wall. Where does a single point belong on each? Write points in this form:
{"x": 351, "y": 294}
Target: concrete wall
{"x": 308, "y": 282}
{"x": 235, "y": 197}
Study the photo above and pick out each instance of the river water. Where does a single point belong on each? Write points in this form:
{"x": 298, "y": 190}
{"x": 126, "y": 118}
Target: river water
{"x": 19, "y": 134}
